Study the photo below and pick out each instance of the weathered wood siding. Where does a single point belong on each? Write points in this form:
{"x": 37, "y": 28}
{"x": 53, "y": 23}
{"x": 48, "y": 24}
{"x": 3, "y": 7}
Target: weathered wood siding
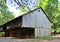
{"x": 40, "y": 32}
{"x": 36, "y": 19}
{"x": 28, "y": 20}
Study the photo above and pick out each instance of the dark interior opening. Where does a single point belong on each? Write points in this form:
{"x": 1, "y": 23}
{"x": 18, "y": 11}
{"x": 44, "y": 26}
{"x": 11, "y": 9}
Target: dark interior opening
{"x": 21, "y": 33}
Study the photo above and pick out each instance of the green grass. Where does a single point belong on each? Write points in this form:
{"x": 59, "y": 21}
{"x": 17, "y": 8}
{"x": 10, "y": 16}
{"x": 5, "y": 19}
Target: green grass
{"x": 1, "y": 33}
{"x": 46, "y": 38}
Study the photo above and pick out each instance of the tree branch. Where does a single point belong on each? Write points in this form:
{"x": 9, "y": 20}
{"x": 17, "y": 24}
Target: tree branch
{"x": 21, "y": 4}
{"x": 18, "y": 3}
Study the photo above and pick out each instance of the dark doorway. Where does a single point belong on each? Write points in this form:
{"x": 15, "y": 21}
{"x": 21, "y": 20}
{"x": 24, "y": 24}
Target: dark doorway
{"x": 21, "y": 33}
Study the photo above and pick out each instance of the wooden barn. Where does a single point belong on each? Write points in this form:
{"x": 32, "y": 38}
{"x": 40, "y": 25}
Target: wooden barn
{"x": 29, "y": 25}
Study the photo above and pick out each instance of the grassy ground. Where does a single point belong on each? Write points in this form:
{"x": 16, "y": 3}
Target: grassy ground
{"x": 46, "y": 38}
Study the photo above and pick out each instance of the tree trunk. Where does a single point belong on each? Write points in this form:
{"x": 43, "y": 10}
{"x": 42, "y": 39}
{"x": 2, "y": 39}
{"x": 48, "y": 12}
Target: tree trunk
{"x": 54, "y": 29}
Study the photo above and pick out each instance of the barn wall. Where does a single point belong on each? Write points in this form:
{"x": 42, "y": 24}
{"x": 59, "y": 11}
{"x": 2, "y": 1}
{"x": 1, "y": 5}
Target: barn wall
{"x": 37, "y": 32}
{"x": 41, "y": 20}
{"x": 28, "y": 20}
{"x": 36, "y": 19}
{"x": 40, "y": 32}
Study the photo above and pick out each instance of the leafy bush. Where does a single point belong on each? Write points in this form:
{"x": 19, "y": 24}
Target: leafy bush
{"x": 58, "y": 30}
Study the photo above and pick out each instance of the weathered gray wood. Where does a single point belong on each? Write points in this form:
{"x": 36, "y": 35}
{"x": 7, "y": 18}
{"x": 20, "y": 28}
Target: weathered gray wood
{"x": 37, "y": 32}
{"x": 36, "y": 19}
{"x": 42, "y": 20}
{"x": 40, "y": 32}
{"x": 28, "y": 20}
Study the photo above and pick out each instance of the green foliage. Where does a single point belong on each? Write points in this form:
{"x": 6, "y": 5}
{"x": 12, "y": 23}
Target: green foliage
{"x": 25, "y": 10}
{"x": 39, "y": 4}
{"x": 5, "y": 16}
{"x": 58, "y": 30}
